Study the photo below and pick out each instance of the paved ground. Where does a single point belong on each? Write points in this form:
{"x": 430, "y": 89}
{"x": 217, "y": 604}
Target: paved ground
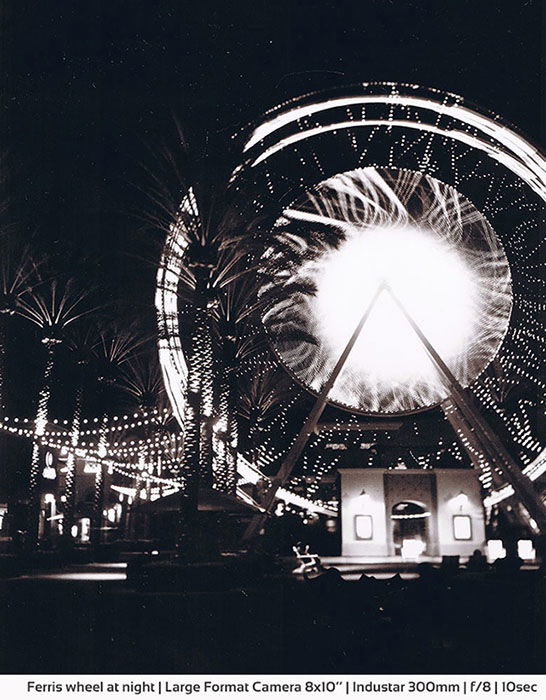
{"x": 88, "y": 620}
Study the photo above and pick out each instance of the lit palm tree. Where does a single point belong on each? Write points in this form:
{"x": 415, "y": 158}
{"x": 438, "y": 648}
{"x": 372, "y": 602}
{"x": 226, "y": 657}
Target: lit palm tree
{"x": 115, "y": 348}
{"x": 81, "y": 341}
{"x": 142, "y": 381}
{"x": 243, "y": 302}
{"x": 197, "y": 302}
{"x": 222, "y": 292}
{"x": 187, "y": 193}
{"x": 53, "y": 307}
{"x": 261, "y": 397}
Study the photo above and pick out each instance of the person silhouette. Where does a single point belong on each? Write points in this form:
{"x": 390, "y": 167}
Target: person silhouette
{"x": 477, "y": 561}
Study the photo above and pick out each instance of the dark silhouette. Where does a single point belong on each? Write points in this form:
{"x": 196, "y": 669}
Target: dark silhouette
{"x": 477, "y": 561}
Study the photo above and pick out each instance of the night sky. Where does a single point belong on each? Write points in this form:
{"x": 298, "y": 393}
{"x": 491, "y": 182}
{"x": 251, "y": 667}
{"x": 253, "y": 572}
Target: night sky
{"x": 91, "y": 89}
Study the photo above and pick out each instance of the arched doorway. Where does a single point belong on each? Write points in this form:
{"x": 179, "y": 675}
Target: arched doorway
{"x": 410, "y": 528}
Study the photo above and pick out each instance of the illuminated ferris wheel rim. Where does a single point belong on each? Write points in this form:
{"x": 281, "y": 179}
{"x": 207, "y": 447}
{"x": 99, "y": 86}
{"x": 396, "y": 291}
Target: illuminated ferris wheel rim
{"x": 494, "y": 137}
{"x": 371, "y": 89}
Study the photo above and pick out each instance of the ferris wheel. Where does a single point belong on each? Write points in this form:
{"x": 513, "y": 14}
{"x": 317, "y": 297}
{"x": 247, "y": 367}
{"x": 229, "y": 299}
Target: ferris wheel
{"x": 439, "y": 205}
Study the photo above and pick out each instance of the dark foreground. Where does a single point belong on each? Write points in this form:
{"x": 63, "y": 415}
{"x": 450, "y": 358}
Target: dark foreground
{"x": 468, "y": 623}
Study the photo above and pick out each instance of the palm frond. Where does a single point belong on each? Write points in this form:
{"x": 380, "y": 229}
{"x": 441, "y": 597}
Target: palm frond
{"x": 142, "y": 380}
{"x": 54, "y": 305}
{"x": 261, "y": 395}
{"x": 117, "y": 345}
{"x": 19, "y": 275}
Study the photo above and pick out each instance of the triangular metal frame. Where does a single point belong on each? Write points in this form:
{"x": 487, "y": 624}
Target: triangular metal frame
{"x": 475, "y": 428}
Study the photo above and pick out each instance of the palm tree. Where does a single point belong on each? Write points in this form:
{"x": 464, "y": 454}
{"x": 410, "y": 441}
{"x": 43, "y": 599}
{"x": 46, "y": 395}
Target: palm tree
{"x": 115, "y": 348}
{"x": 247, "y": 362}
{"x": 81, "y": 342}
{"x": 221, "y": 298}
{"x": 186, "y": 194}
{"x": 141, "y": 379}
{"x": 53, "y": 307}
{"x": 142, "y": 382}
{"x": 224, "y": 289}
{"x": 261, "y": 397}
{"x": 202, "y": 274}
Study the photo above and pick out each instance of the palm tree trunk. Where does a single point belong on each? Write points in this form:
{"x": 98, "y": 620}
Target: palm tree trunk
{"x": 70, "y": 481}
{"x": 225, "y": 464}
{"x": 206, "y": 394}
{"x": 2, "y": 365}
{"x": 253, "y": 434}
{"x": 34, "y": 481}
{"x": 232, "y": 442}
{"x": 219, "y": 472}
{"x": 192, "y": 415}
{"x": 190, "y": 469}
{"x": 100, "y": 478}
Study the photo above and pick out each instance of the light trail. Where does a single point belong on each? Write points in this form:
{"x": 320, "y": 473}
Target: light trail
{"x": 530, "y": 166}
{"x": 171, "y": 356}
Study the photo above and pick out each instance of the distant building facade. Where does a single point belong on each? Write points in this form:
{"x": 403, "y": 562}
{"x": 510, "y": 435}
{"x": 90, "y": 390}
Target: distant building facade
{"x": 410, "y": 512}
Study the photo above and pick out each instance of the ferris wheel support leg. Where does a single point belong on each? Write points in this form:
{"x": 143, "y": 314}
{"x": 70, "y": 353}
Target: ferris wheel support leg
{"x": 492, "y": 447}
{"x": 483, "y": 463}
{"x": 309, "y": 426}
{"x": 499, "y": 457}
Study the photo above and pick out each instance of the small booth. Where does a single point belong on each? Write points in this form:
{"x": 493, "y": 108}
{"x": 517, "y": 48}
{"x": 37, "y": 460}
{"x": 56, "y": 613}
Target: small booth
{"x": 410, "y": 513}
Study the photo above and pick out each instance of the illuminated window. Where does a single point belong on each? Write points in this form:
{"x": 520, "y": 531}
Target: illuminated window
{"x": 85, "y": 524}
{"x": 526, "y": 550}
{"x": 495, "y": 550}
{"x": 363, "y": 527}
{"x": 462, "y": 527}
{"x": 49, "y": 473}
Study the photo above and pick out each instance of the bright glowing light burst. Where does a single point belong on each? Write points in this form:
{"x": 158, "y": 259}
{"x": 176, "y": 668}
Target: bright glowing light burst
{"x": 430, "y": 278}
{"x": 434, "y": 250}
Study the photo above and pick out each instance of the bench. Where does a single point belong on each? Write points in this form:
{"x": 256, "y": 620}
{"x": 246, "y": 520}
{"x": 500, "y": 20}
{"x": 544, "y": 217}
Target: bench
{"x": 307, "y": 561}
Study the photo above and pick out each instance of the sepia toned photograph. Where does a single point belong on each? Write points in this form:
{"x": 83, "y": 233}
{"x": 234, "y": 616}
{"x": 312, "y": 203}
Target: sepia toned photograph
{"x": 272, "y": 336}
